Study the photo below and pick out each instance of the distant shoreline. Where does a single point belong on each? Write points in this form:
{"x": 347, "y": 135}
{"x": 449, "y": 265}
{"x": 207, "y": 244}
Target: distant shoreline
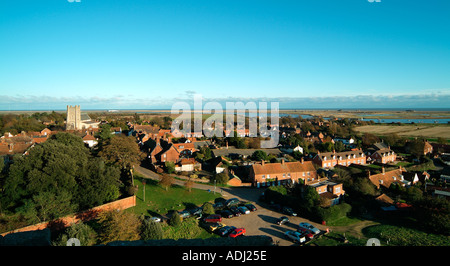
{"x": 379, "y": 114}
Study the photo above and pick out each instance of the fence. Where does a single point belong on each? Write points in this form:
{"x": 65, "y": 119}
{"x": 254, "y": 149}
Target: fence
{"x": 90, "y": 214}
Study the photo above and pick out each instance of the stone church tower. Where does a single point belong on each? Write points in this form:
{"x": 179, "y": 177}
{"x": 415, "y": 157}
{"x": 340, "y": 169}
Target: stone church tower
{"x": 73, "y": 120}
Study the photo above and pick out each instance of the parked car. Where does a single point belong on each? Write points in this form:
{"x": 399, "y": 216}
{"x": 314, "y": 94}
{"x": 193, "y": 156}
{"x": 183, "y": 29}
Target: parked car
{"x": 226, "y": 213}
{"x": 219, "y": 205}
{"x": 211, "y": 227}
{"x": 232, "y": 202}
{"x": 309, "y": 227}
{"x": 288, "y": 211}
{"x": 235, "y": 211}
{"x": 155, "y": 219}
{"x": 243, "y": 210}
{"x": 282, "y": 220}
{"x": 184, "y": 214}
{"x": 305, "y": 232}
{"x": 251, "y": 207}
{"x": 295, "y": 236}
{"x": 213, "y": 218}
{"x": 276, "y": 207}
{"x": 196, "y": 211}
{"x": 224, "y": 231}
{"x": 237, "y": 232}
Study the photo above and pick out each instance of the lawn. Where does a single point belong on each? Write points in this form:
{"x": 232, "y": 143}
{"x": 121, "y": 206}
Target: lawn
{"x": 158, "y": 201}
{"x": 390, "y": 235}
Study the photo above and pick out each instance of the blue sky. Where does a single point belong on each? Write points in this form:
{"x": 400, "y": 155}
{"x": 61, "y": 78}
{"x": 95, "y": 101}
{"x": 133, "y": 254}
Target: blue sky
{"x": 123, "y": 54}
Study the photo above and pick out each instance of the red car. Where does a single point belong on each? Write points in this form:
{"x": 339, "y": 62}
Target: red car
{"x": 237, "y": 232}
{"x": 213, "y": 218}
{"x": 305, "y": 232}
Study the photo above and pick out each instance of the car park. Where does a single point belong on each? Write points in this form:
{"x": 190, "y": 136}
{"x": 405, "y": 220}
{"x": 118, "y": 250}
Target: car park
{"x": 282, "y": 220}
{"x": 224, "y": 231}
{"x": 288, "y": 211}
{"x": 237, "y": 232}
{"x": 309, "y": 227}
{"x": 213, "y": 218}
{"x": 296, "y": 237}
{"x": 243, "y": 210}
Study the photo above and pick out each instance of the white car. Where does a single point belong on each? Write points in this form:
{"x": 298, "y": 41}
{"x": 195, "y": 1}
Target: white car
{"x": 310, "y": 228}
{"x": 295, "y": 236}
{"x": 156, "y": 219}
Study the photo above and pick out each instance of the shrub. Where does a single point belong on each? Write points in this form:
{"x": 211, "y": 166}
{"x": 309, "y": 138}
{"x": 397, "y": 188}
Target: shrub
{"x": 151, "y": 230}
{"x": 176, "y": 219}
{"x": 335, "y": 212}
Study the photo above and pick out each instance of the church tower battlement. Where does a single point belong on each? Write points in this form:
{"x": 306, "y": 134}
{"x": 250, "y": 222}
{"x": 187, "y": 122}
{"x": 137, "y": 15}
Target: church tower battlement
{"x": 73, "y": 121}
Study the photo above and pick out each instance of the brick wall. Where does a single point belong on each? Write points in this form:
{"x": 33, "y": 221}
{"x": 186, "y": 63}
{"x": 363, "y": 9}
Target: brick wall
{"x": 60, "y": 223}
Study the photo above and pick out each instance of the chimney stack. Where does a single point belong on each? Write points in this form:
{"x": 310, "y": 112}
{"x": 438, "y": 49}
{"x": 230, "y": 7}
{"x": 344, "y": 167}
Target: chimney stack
{"x": 382, "y": 170}
{"x": 282, "y": 161}
{"x": 262, "y": 162}
{"x": 302, "y": 160}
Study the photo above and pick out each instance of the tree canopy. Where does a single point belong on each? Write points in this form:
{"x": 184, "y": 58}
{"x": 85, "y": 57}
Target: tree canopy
{"x": 56, "y": 178}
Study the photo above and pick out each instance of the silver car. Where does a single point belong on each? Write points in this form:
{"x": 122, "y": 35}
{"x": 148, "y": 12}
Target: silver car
{"x": 295, "y": 236}
{"x": 310, "y": 228}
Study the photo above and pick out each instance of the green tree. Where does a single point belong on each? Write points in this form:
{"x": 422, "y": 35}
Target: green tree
{"x": 175, "y": 219}
{"x": 170, "y": 167}
{"x": 259, "y": 155}
{"x": 58, "y": 177}
{"x": 105, "y": 132}
{"x": 80, "y": 231}
{"x": 151, "y": 230}
{"x": 207, "y": 208}
{"x": 221, "y": 178}
{"x": 121, "y": 150}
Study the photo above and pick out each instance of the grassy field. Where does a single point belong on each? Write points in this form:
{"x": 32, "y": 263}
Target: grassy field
{"x": 158, "y": 201}
{"x": 390, "y": 235}
{"x": 426, "y": 131}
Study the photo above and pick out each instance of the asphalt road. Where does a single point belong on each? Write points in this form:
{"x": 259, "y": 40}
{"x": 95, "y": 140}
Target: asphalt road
{"x": 260, "y": 222}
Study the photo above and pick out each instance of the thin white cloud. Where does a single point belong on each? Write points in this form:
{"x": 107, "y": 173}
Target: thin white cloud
{"x": 431, "y": 99}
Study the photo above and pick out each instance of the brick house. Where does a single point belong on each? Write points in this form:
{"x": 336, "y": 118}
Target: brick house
{"x": 385, "y": 179}
{"x": 185, "y": 149}
{"x": 331, "y": 159}
{"x": 331, "y": 191}
{"x": 383, "y": 156}
{"x": 164, "y": 153}
{"x": 276, "y": 173}
{"x": 170, "y": 154}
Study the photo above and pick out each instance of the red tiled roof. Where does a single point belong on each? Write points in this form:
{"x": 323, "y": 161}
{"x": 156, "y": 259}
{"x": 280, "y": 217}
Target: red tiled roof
{"x": 287, "y": 167}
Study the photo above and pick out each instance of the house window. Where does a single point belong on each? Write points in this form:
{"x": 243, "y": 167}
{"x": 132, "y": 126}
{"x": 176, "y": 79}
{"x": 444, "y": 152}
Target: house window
{"x": 289, "y": 174}
{"x": 308, "y": 173}
{"x": 284, "y": 175}
{"x": 303, "y": 174}
{"x": 263, "y": 176}
{"x": 337, "y": 189}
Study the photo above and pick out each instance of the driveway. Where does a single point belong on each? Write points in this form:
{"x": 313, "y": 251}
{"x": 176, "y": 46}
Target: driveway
{"x": 263, "y": 220}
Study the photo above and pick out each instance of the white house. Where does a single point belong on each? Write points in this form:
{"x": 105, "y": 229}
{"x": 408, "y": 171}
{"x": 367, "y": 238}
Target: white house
{"x": 90, "y": 140}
